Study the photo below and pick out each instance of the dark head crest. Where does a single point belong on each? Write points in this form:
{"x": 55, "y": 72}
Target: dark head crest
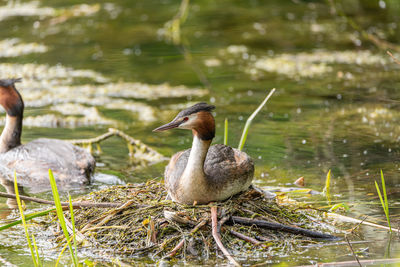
{"x": 9, "y": 82}
{"x": 195, "y": 108}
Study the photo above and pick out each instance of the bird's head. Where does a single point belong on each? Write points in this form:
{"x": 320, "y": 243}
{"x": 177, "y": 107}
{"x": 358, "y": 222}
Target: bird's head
{"x": 10, "y": 99}
{"x": 197, "y": 118}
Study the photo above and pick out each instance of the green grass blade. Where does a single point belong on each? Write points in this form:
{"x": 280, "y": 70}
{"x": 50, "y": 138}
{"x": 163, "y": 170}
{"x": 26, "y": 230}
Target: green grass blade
{"x": 63, "y": 250}
{"x": 23, "y": 219}
{"x": 226, "y": 132}
{"x": 384, "y": 192}
{"x": 384, "y": 201}
{"x": 27, "y": 218}
{"x": 36, "y": 250}
{"x": 327, "y": 188}
{"x": 60, "y": 213}
{"x": 250, "y": 119}
{"x": 71, "y": 211}
{"x": 383, "y": 204}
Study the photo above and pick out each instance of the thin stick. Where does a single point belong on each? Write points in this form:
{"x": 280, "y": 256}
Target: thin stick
{"x": 182, "y": 242}
{"x": 245, "y": 238}
{"x": 353, "y": 220}
{"x": 66, "y": 204}
{"x": 352, "y": 251}
{"x": 352, "y": 263}
{"x": 280, "y": 227}
{"x": 78, "y": 235}
{"x": 250, "y": 119}
{"x": 176, "y": 248}
{"x": 217, "y": 238}
{"x": 394, "y": 59}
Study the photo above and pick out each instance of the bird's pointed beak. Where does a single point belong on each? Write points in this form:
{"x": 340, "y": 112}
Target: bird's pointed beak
{"x": 170, "y": 125}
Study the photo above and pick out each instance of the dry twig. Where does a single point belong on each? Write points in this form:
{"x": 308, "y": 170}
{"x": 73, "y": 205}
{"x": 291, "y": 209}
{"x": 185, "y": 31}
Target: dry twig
{"x": 352, "y": 251}
{"x": 245, "y": 237}
{"x": 180, "y": 244}
{"x": 394, "y": 59}
{"x": 217, "y": 238}
{"x": 137, "y": 148}
{"x": 280, "y": 227}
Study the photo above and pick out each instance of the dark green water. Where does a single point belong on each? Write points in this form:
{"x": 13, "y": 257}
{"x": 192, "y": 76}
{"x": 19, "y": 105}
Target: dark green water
{"x": 336, "y": 105}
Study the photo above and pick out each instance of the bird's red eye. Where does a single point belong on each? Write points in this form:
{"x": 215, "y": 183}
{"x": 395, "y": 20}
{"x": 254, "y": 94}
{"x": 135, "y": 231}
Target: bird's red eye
{"x": 185, "y": 119}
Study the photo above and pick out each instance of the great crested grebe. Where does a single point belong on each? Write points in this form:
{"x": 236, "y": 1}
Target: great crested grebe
{"x": 204, "y": 174}
{"x": 70, "y": 164}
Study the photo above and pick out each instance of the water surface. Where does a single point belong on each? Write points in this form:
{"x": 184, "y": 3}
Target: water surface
{"x": 336, "y": 105}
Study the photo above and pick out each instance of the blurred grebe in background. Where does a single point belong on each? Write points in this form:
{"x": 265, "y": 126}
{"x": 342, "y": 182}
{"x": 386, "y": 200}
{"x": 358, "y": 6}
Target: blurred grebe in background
{"x": 70, "y": 164}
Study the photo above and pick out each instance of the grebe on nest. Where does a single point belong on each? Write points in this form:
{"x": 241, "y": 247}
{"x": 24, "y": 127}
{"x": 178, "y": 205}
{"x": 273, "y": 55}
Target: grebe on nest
{"x": 70, "y": 164}
{"x": 204, "y": 174}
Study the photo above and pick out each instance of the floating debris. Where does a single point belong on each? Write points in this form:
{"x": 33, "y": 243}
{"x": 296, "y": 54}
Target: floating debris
{"x": 138, "y": 151}
{"x": 212, "y": 62}
{"x": 314, "y": 64}
{"x": 16, "y": 8}
{"x": 237, "y": 49}
{"x": 298, "y": 65}
{"x": 55, "y": 121}
{"x": 53, "y": 86}
{"x": 14, "y": 48}
{"x": 148, "y": 225}
{"x": 42, "y": 74}
{"x": 29, "y": 9}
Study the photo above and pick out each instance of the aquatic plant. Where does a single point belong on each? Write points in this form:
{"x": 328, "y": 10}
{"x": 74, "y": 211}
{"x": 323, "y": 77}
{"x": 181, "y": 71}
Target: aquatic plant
{"x": 327, "y": 188}
{"x": 60, "y": 215}
{"x": 27, "y": 218}
{"x": 384, "y": 201}
{"x": 250, "y": 119}
{"x": 35, "y": 256}
{"x": 172, "y": 28}
{"x": 226, "y": 132}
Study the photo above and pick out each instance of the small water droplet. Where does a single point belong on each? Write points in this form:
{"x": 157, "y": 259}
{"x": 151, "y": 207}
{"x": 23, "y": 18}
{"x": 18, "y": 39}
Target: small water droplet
{"x": 298, "y": 110}
{"x": 382, "y": 4}
{"x": 365, "y": 152}
{"x": 304, "y": 141}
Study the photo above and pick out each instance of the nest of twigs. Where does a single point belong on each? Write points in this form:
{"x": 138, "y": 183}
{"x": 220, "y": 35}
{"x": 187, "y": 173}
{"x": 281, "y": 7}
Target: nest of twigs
{"x": 148, "y": 225}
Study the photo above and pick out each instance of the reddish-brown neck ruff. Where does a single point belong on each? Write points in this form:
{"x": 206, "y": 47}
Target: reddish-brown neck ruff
{"x": 11, "y": 101}
{"x": 204, "y": 127}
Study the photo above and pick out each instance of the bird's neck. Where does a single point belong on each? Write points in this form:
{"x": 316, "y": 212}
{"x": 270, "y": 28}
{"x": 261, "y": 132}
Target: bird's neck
{"x": 194, "y": 171}
{"x": 11, "y": 135}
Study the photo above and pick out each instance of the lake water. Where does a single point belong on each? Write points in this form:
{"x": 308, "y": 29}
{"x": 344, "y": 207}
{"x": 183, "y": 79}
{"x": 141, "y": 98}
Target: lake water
{"x": 87, "y": 67}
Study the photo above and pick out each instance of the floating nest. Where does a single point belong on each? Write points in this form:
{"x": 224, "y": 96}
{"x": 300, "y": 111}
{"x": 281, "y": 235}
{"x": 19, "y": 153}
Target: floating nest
{"x": 249, "y": 225}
